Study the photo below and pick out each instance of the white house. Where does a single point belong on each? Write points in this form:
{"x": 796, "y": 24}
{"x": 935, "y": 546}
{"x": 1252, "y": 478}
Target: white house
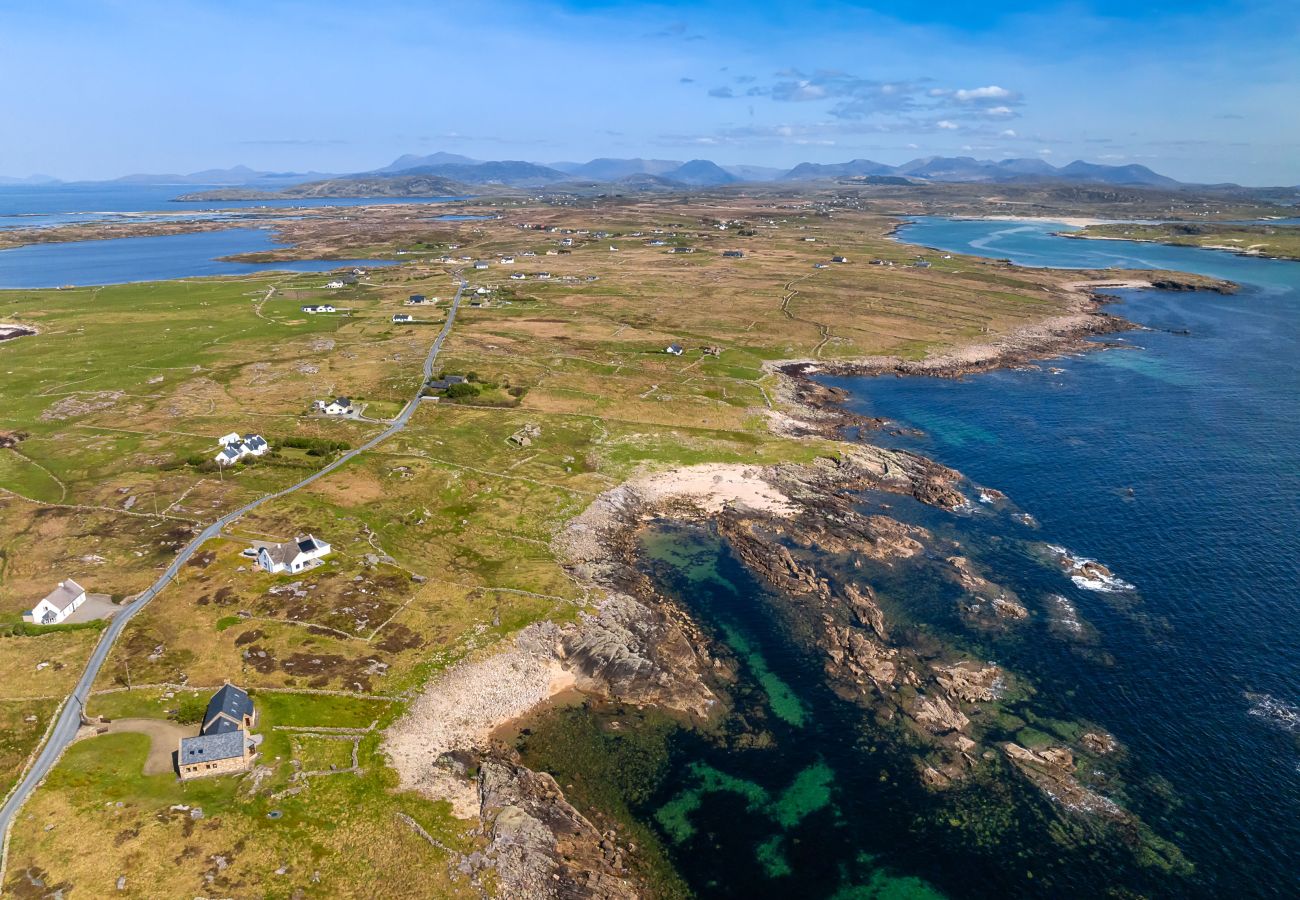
{"x": 518, "y": 276}
{"x": 292, "y": 556}
{"x": 339, "y": 406}
{"x": 481, "y": 264}
{"x": 507, "y": 260}
{"x": 318, "y": 308}
{"x": 402, "y": 317}
{"x": 674, "y": 349}
{"x": 234, "y": 448}
{"x": 57, "y": 605}
{"x": 334, "y": 285}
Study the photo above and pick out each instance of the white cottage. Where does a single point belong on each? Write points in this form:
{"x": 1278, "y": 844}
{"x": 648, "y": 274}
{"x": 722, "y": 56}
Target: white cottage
{"x": 57, "y": 605}
{"x": 292, "y": 556}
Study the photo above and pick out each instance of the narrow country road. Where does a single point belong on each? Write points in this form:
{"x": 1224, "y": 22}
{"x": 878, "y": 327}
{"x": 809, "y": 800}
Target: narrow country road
{"x": 69, "y": 720}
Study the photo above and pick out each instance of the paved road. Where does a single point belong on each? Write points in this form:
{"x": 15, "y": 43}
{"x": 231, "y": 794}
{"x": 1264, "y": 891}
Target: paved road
{"x": 65, "y": 728}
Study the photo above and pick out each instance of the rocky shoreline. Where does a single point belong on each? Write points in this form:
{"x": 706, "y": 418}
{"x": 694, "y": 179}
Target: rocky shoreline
{"x": 820, "y": 407}
{"x": 640, "y": 647}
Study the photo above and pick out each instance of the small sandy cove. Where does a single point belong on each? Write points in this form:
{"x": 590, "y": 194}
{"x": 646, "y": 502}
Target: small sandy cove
{"x": 462, "y": 708}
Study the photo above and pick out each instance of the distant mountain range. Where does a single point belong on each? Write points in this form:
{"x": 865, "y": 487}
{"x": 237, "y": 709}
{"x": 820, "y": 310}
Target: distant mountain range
{"x": 448, "y": 174}
{"x": 28, "y": 180}
{"x": 706, "y": 173}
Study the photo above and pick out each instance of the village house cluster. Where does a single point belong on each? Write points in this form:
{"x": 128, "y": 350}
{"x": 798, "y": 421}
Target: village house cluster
{"x": 235, "y": 447}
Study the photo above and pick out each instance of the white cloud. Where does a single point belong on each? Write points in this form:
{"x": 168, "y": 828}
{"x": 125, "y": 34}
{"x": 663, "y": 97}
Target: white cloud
{"x": 1010, "y": 132}
{"x": 946, "y": 125}
{"x": 1000, "y": 111}
{"x": 992, "y": 92}
{"x": 1044, "y": 152}
{"x": 913, "y": 146}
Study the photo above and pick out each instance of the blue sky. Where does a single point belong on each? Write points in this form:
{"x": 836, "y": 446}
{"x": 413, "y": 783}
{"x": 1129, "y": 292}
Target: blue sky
{"x": 1206, "y": 91}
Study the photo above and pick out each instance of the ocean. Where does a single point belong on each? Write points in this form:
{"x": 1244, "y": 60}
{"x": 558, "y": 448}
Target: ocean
{"x": 1175, "y": 463}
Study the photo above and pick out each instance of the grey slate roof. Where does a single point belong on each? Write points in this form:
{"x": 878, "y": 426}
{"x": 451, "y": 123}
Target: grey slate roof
{"x": 229, "y": 700}
{"x": 212, "y": 747}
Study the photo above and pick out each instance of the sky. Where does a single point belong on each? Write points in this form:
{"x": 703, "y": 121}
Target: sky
{"x": 1202, "y": 90}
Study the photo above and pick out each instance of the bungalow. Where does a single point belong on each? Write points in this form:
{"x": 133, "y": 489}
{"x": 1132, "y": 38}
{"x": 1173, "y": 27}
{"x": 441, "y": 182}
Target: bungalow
{"x": 441, "y": 384}
{"x": 733, "y": 254}
{"x": 517, "y": 276}
{"x": 57, "y": 605}
{"x": 613, "y": 249}
{"x": 552, "y": 252}
{"x": 339, "y": 406}
{"x": 334, "y": 285}
{"x": 683, "y": 250}
{"x": 810, "y": 239}
{"x": 541, "y": 276}
{"x": 481, "y": 264}
{"x": 223, "y": 743}
{"x": 318, "y": 308}
{"x": 402, "y": 317}
{"x": 528, "y": 253}
{"x": 227, "y": 440}
{"x": 839, "y": 259}
{"x": 292, "y": 556}
{"x": 507, "y": 260}
{"x": 821, "y": 265}
{"x": 415, "y": 299}
{"x": 674, "y": 349}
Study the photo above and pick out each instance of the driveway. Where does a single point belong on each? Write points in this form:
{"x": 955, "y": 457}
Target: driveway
{"x": 164, "y": 738}
{"x": 96, "y": 606}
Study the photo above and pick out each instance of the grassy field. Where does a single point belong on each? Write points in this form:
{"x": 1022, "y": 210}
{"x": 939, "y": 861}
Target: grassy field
{"x": 1278, "y": 241}
{"x": 441, "y": 535}
{"x": 255, "y": 836}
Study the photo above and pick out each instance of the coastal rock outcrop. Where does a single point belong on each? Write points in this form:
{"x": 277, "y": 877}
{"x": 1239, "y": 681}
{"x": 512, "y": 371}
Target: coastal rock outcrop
{"x": 540, "y": 847}
{"x": 1051, "y": 770}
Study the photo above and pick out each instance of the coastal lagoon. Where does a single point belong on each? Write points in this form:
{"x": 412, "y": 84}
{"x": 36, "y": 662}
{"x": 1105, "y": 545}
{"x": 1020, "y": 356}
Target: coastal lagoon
{"x": 121, "y": 260}
{"x": 1173, "y": 459}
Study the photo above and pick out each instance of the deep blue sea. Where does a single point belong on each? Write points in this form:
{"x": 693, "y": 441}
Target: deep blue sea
{"x": 32, "y": 206}
{"x": 1177, "y": 464}
{"x": 120, "y": 260}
